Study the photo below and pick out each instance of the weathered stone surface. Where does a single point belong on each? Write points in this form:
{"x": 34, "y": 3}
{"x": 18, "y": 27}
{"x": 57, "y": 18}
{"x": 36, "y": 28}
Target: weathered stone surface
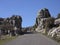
{"x": 41, "y": 24}
{"x": 55, "y": 32}
{"x": 49, "y": 33}
{"x": 11, "y": 22}
{"x": 16, "y": 20}
{"x": 44, "y": 21}
{"x": 57, "y": 22}
{"x": 43, "y": 13}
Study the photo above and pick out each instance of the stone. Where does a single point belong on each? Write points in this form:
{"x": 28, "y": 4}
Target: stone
{"x": 55, "y": 32}
{"x": 11, "y": 22}
{"x": 43, "y": 13}
{"x": 16, "y": 20}
{"x": 57, "y": 22}
{"x": 44, "y": 21}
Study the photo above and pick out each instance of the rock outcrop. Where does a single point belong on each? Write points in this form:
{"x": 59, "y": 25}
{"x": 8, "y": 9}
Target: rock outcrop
{"x": 54, "y": 32}
{"x": 47, "y": 24}
{"x": 11, "y": 25}
{"x": 16, "y": 21}
{"x": 43, "y": 15}
{"x": 57, "y": 22}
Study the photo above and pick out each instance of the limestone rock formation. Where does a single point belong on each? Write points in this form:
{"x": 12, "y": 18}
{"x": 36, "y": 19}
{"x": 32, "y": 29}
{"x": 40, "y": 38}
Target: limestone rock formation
{"x": 55, "y": 32}
{"x": 9, "y": 24}
{"x": 57, "y": 22}
{"x": 43, "y": 15}
{"x": 16, "y": 21}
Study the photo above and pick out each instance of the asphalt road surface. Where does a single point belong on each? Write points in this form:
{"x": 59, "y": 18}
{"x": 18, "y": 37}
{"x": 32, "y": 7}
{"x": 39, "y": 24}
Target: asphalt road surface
{"x": 32, "y": 39}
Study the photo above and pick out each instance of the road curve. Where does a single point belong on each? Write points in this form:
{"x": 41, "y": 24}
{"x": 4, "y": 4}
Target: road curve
{"x": 32, "y": 39}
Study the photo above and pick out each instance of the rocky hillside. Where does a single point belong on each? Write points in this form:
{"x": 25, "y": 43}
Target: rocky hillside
{"x": 46, "y": 24}
{"x": 11, "y": 25}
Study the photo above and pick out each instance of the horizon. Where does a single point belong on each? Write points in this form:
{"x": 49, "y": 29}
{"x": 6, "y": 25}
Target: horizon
{"x": 28, "y": 9}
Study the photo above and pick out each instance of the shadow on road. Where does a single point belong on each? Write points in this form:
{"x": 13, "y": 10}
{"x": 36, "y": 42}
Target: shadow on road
{"x": 28, "y": 32}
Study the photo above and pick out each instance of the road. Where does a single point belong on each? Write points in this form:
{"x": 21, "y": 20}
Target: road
{"x": 32, "y": 39}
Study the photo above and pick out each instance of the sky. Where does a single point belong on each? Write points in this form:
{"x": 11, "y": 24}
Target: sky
{"x": 28, "y": 9}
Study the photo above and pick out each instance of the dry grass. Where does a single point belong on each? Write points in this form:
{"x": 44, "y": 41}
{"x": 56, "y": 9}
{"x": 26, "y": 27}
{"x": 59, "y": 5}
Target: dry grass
{"x": 7, "y": 38}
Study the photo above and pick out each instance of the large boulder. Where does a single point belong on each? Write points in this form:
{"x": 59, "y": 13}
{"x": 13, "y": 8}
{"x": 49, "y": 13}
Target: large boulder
{"x": 11, "y": 22}
{"x": 44, "y": 20}
{"x": 54, "y": 32}
{"x": 41, "y": 25}
{"x": 45, "y": 23}
{"x": 57, "y": 22}
{"x": 43, "y": 13}
{"x": 16, "y": 21}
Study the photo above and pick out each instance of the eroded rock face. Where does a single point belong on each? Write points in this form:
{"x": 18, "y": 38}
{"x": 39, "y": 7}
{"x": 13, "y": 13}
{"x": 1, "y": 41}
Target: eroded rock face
{"x": 54, "y": 32}
{"x": 43, "y": 15}
{"x": 57, "y": 22}
{"x": 10, "y": 23}
{"x": 16, "y": 21}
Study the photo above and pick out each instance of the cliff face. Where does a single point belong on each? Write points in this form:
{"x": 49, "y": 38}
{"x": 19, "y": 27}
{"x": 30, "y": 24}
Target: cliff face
{"x": 11, "y": 25}
{"x": 44, "y": 23}
{"x": 48, "y": 25}
{"x": 43, "y": 15}
{"x": 14, "y": 21}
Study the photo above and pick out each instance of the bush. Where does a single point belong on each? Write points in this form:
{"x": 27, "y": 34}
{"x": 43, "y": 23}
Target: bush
{"x": 58, "y": 16}
{"x": 49, "y": 23}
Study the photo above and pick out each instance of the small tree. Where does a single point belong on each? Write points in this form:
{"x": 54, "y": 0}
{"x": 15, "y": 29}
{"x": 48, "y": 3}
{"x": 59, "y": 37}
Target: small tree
{"x": 49, "y": 23}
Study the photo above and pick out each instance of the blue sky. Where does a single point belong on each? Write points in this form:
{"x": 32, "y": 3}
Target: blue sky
{"x": 28, "y": 9}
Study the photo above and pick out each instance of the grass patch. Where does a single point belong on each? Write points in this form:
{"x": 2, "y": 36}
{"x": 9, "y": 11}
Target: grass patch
{"x": 57, "y": 39}
{"x": 7, "y": 38}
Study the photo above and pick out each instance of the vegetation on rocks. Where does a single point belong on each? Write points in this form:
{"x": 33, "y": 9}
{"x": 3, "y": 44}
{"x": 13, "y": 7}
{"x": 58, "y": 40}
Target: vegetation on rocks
{"x": 47, "y": 24}
{"x": 44, "y": 23}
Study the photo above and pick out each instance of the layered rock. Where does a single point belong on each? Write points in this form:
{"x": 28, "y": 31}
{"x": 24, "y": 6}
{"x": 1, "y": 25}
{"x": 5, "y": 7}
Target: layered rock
{"x": 16, "y": 21}
{"x": 9, "y": 24}
{"x": 43, "y": 15}
{"x": 57, "y": 22}
{"x": 54, "y": 32}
